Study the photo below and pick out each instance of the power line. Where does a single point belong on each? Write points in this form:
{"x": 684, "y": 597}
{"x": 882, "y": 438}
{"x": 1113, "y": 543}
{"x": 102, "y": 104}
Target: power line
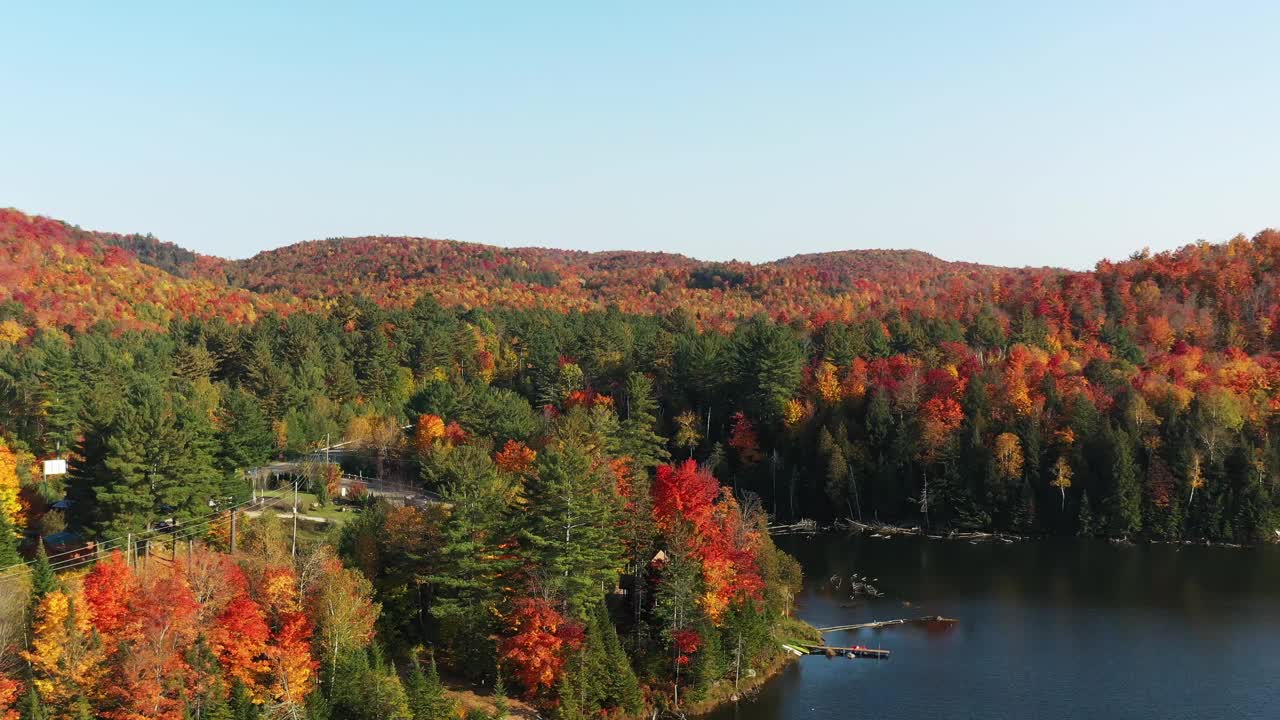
{"x": 117, "y": 542}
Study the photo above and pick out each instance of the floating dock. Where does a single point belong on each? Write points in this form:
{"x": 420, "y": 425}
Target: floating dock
{"x": 855, "y": 651}
{"x": 877, "y": 624}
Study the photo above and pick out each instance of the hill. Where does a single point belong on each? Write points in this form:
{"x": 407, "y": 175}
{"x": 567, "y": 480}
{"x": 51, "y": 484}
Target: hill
{"x": 846, "y": 285}
{"x": 66, "y": 276}
{"x": 61, "y": 275}
{"x": 56, "y": 275}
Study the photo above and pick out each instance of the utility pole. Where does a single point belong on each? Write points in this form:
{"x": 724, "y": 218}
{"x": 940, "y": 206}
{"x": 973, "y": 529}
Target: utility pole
{"x": 233, "y": 532}
{"x": 128, "y": 549}
{"x": 295, "y": 517}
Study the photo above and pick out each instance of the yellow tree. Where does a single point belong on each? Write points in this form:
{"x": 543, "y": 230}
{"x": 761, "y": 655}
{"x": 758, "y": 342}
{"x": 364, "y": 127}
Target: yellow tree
{"x": 827, "y": 380}
{"x": 687, "y": 435}
{"x": 9, "y": 503}
{"x": 1009, "y": 456}
{"x": 793, "y": 413}
{"x": 65, "y": 657}
{"x": 1062, "y": 477}
{"x": 1195, "y": 476}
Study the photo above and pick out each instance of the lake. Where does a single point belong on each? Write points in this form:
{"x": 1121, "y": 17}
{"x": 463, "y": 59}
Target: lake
{"x": 1048, "y": 629}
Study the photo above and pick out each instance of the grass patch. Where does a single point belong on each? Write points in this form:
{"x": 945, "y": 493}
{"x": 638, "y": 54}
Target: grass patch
{"x": 794, "y": 631}
{"x": 332, "y": 512}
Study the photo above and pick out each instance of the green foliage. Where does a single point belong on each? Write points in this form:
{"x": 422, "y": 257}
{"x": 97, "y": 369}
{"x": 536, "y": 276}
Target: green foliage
{"x": 8, "y": 543}
{"x": 472, "y": 559}
{"x": 765, "y": 364}
{"x": 569, "y": 529}
{"x": 1125, "y": 503}
{"x": 638, "y": 440}
{"x": 43, "y": 581}
{"x": 427, "y": 700}
{"x": 366, "y": 688}
{"x": 152, "y": 459}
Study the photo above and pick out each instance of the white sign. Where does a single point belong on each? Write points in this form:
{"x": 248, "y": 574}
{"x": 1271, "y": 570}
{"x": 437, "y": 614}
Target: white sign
{"x": 55, "y": 467}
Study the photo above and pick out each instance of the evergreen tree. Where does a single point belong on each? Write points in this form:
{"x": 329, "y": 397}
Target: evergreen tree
{"x": 8, "y": 543}
{"x": 766, "y": 365}
{"x": 1125, "y": 504}
{"x": 365, "y": 688}
{"x": 569, "y": 691}
{"x": 241, "y": 703}
{"x": 473, "y": 561}
{"x": 60, "y": 393}
{"x": 43, "y": 581}
{"x": 32, "y": 708}
{"x": 246, "y": 433}
{"x": 570, "y": 526}
{"x": 638, "y": 441}
{"x": 501, "y": 707}
{"x": 317, "y": 707}
{"x": 1084, "y": 520}
{"x": 427, "y": 700}
{"x": 709, "y": 663}
{"x": 153, "y": 459}
{"x": 621, "y": 689}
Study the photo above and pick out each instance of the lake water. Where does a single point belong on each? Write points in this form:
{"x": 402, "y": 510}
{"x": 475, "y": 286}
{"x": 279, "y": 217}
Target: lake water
{"x": 1048, "y": 629}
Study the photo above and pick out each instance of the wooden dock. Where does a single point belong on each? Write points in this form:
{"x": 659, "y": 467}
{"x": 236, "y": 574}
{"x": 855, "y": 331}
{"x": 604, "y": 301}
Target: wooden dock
{"x": 854, "y": 651}
{"x": 876, "y": 625}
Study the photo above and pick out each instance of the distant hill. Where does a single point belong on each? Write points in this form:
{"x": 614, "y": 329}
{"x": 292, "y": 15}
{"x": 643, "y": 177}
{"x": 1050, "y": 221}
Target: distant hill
{"x": 56, "y": 275}
{"x": 62, "y": 275}
{"x": 395, "y": 270}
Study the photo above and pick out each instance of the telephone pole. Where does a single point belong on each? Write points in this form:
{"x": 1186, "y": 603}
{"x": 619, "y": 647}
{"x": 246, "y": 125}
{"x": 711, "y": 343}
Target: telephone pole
{"x": 295, "y": 517}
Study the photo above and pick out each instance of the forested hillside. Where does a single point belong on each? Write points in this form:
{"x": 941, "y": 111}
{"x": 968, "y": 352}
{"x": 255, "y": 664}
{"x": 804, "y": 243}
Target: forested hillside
{"x": 611, "y": 432}
{"x": 64, "y": 277}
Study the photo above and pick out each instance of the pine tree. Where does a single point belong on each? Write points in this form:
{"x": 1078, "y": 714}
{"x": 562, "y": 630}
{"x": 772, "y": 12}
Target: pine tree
{"x": 367, "y": 689}
{"x": 32, "y": 708}
{"x": 241, "y": 703}
{"x": 766, "y": 364}
{"x": 638, "y": 441}
{"x": 8, "y": 544}
{"x": 246, "y": 433}
{"x": 60, "y": 392}
{"x": 43, "y": 581}
{"x": 622, "y": 689}
{"x": 473, "y": 559}
{"x": 427, "y": 700}
{"x": 1084, "y": 521}
{"x": 709, "y": 662}
{"x": 570, "y": 528}
{"x": 501, "y": 707}
{"x": 569, "y": 692}
{"x": 1125, "y": 503}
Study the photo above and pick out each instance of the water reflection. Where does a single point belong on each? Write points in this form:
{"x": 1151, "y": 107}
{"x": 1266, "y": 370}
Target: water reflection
{"x": 1052, "y": 629}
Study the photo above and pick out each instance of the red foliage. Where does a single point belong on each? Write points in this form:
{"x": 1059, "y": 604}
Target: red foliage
{"x": 108, "y": 589}
{"x": 535, "y": 650}
{"x": 515, "y": 457}
{"x": 688, "y": 494}
{"x": 743, "y": 439}
{"x": 687, "y": 642}
{"x": 239, "y": 639}
{"x": 10, "y": 691}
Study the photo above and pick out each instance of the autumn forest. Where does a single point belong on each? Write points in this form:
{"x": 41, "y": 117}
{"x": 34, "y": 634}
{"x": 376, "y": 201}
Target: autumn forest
{"x": 598, "y": 443}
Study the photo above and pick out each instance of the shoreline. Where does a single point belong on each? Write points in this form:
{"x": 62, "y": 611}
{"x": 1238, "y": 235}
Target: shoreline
{"x": 854, "y": 527}
{"x": 748, "y": 688}
{"x": 722, "y": 694}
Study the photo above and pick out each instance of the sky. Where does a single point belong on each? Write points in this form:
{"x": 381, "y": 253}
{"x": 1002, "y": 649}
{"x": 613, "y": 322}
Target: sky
{"x": 1011, "y": 133}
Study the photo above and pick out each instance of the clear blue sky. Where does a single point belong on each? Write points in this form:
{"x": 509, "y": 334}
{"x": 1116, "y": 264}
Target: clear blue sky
{"x": 1001, "y": 132}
